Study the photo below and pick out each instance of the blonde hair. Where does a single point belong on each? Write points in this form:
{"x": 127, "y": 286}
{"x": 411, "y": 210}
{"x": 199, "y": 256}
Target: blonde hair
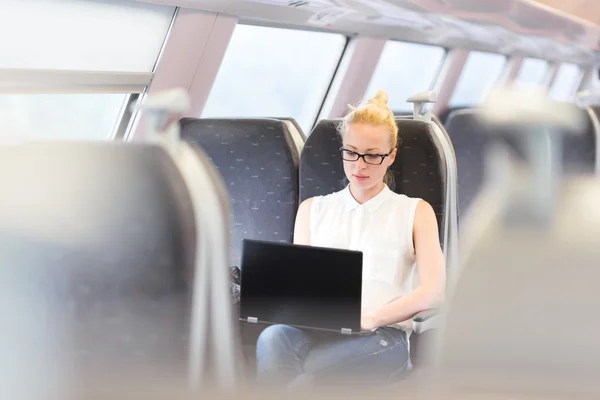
{"x": 374, "y": 112}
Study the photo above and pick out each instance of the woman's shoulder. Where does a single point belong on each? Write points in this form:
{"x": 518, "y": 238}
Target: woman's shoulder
{"x": 405, "y": 199}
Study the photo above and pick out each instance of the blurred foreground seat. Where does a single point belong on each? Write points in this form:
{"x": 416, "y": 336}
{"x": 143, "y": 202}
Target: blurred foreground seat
{"x": 105, "y": 257}
{"x": 520, "y": 319}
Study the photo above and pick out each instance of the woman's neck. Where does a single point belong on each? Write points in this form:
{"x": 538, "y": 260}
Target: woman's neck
{"x": 364, "y": 195}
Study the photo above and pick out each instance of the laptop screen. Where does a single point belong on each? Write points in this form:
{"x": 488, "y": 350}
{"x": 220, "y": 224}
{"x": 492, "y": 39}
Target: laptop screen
{"x": 301, "y": 285}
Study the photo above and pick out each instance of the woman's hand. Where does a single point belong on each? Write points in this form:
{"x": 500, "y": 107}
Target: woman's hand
{"x": 368, "y": 323}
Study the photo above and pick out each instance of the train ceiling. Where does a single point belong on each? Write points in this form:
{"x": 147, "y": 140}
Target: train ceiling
{"x": 550, "y": 29}
{"x": 587, "y": 10}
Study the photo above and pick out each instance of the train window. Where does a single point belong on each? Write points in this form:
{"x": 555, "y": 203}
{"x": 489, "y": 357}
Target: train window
{"x": 566, "y": 82}
{"x": 275, "y": 72}
{"x": 115, "y": 36}
{"x": 60, "y": 116}
{"x": 480, "y": 73}
{"x": 405, "y": 69}
{"x": 533, "y": 72}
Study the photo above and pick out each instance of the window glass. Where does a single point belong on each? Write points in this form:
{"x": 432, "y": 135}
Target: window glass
{"x": 275, "y": 72}
{"x": 565, "y": 83}
{"x": 533, "y": 72}
{"x": 60, "y": 116}
{"x": 96, "y": 35}
{"x": 405, "y": 69}
{"x": 478, "y": 77}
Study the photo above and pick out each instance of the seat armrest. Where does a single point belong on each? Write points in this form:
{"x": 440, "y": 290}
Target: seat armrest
{"x": 426, "y": 320}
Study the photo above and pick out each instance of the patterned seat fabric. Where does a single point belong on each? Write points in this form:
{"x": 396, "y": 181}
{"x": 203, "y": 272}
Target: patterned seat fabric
{"x": 464, "y": 128}
{"x": 257, "y": 159}
{"x": 471, "y": 141}
{"x": 258, "y": 162}
{"x": 579, "y": 148}
{"x": 419, "y": 169}
{"x": 445, "y": 115}
{"x": 105, "y": 249}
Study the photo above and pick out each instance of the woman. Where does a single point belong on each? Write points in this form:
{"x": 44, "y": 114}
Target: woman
{"x": 403, "y": 264}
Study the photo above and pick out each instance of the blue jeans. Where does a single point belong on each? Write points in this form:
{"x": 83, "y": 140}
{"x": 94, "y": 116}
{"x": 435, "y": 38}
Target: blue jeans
{"x": 289, "y": 356}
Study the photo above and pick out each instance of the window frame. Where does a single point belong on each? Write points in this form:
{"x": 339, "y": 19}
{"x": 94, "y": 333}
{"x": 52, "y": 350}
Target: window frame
{"x": 495, "y": 83}
{"x": 290, "y": 26}
{"x": 122, "y": 120}
{"x": 330, "y": 86}
{"x": 63, "y": 82}
{"x": 440, "y": 67}
{"x": 436, "y": 76}
{"x": 133, "y": 85}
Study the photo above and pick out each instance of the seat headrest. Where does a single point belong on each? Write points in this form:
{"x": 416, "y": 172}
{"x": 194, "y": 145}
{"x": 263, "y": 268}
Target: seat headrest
{"x": 418, "y": 170}
{"x": 472, "y": 135}
{"x": 112, "y": 206}
{"x": 100, "y": 238}
{"x": 257, "y": 159}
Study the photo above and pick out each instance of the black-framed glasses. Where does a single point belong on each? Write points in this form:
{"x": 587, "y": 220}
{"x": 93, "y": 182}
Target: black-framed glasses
{"x": 373, "y": 159}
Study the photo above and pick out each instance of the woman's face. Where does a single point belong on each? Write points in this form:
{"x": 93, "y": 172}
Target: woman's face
{"x": 371, "y": 141}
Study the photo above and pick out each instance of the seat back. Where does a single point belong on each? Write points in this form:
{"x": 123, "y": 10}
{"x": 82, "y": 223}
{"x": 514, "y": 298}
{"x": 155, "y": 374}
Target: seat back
{"x": 445, "y": 114}
{"x": 594, "y": 114}
{"x": 257, "y": 160}
{"x": 419, "y": 169}
{"x": 470, "y": 138}
{"x": 291, "y": 122}
{"x": 531, "y": 225}
{"x": 469, "y": 143}
{"x": 424, "y": 168}
{"x": 101, "y": 243}
{"x": 596, "y": 110}
{"x": 296, "y": 132}
{"x": 517, "y": 292}
{"x": 579, "y": 146}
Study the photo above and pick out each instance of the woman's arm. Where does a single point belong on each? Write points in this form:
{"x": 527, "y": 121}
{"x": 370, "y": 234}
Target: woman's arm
{"x": 302, "y": 225}
{"x": 431, "y": 271}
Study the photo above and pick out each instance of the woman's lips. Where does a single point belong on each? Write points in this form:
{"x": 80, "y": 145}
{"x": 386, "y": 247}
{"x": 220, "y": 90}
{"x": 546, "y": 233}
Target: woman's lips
{"x": 360, "y": 177}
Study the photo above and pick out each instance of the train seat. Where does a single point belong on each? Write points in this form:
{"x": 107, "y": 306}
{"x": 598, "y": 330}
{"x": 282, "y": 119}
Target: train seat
{"x": 464, "y": 129}
{"x": 594, "y": 114}
{"x": 420, "y": 170}
{"x": 470, "y": 142}
{"x": 257, "y": 159}
{"x": 105, "y": 239}
{"x": 501, "y": 334}
{"x": 445, "y": 114}
{"x": 579, "y": 146}
{"x": 297, "y": 132}
{"x": 596, "y": 110}
{"x": 518, "y": 321}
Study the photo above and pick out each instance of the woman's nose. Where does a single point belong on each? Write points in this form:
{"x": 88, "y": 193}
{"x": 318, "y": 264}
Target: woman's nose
{"x": 361, "y": 163}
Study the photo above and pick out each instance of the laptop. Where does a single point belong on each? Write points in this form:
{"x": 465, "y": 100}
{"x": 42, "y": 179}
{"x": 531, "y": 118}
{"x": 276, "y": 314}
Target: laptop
{"x": 302, "y": 286}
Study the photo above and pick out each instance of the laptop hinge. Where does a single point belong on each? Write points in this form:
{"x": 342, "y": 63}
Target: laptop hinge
{"x": 252, "y": 320}
{"x": 346, "y": 331}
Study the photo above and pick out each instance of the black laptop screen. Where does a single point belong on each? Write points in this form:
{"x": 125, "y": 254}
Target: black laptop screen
{"x": 301, "y": 285}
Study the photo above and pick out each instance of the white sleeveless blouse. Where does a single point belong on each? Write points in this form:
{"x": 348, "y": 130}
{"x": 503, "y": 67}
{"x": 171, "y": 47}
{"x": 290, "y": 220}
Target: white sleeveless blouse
{"x": 382, "y": 229}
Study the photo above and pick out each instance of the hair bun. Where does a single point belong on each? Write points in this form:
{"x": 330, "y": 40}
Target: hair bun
{"x": 380, "y": 99}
